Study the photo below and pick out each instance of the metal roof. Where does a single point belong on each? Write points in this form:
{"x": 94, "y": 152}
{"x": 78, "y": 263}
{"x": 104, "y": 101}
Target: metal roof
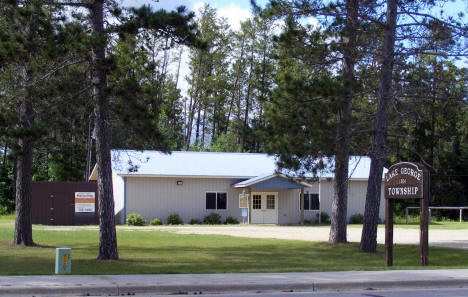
{"x": 212, "y": 164}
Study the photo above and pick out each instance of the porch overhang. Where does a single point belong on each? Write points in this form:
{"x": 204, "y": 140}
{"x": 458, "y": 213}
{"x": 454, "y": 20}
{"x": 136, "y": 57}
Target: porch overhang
{"x": 271, "y": 181}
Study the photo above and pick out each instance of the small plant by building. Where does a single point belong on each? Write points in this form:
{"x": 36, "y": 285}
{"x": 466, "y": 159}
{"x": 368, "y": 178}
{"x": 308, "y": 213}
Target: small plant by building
{"x": 356, "y": 219}
{"x": 174, "y": 219}
{"x": 155, "y": 222}
{"x": 135, "y": 219}
{"x": 231, "y": 221}
{"x": 212, "y": 219}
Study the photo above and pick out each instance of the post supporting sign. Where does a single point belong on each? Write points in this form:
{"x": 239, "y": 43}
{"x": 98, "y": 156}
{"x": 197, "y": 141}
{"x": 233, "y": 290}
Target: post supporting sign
{"x": 407, "y": 181}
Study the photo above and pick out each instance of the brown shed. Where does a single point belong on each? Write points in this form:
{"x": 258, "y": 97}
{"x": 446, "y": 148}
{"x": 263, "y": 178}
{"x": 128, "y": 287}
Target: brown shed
{"x": 53, "y": 203}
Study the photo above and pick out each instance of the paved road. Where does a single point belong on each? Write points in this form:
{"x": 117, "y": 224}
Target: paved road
{"x": 368, "y": 293}
{"x": 437, "y": 237}
{"x": 231, "y": 283}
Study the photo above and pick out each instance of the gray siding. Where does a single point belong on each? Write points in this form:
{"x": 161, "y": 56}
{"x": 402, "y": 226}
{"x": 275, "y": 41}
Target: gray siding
{"x": 356, "y": 197}
{"x": 159, "y": 197}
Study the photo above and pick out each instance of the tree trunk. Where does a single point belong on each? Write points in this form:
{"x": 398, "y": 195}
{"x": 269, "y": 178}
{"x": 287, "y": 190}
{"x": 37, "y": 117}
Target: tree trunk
{"x": 340, "y": 197}
{"x": 107, "y": 235}
{"x": 23, "y": 166}
{"x": 247, "y": 101}
{"x": 378, "y": 157}
{"x": 197, "y": 131}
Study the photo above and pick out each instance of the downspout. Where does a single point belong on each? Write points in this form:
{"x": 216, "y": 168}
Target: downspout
{"x": 320, "y": 202}
{"x": 124, "y": 214}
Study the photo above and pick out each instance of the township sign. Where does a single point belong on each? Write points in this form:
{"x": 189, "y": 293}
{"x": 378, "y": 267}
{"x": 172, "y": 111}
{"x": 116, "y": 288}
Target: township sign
{"x": 404, "y": 180}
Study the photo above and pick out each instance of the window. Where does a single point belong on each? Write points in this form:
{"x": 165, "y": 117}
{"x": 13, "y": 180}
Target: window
{"x": 311, "y": 201}
{"x": 216, "y": 200}
{"x": 257, "y": 202}
{"x": 270, "y": 202}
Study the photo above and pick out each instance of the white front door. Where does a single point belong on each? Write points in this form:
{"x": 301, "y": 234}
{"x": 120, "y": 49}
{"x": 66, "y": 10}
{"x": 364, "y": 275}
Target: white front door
{"x": 264, "y": 208}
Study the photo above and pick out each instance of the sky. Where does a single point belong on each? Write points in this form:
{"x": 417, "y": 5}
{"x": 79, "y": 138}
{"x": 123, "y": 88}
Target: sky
{"x": 234, "y": 11}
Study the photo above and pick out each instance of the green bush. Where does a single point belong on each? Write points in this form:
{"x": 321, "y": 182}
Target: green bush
{"x": 231, "y": 220}
{"x": 195, "y": 222}
{"x": 324, "y": 218}
{"x": 212, "y": 219}
{"x": 356, "y": 219}
{"x": 174, "y": 219}
{"x": 3, "y": 210}
{"x": 308, "y": 222}
{"x": 135, "y": 219}
{"x": 155, "y": 222}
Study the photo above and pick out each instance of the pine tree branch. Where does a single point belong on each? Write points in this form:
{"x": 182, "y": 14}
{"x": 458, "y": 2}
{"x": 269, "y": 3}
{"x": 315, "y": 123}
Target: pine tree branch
{"x": 56, "y": 69}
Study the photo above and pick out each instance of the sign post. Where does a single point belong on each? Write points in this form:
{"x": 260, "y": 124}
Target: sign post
{"x": 407, "y": 181}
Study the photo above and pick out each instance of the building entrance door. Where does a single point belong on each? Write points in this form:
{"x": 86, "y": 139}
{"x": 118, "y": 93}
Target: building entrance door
{"x": 264, "y": 208}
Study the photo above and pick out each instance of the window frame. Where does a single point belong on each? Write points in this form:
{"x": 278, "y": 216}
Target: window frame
{"x": 216, "y": 201}
{"x": 309, "y": 193}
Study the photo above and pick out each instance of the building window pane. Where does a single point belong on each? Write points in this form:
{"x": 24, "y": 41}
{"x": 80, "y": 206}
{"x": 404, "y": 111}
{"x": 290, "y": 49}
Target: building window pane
{"x": 221, "y": 201}
{"x": 306, "y": 201}
{"x": 314, "y": 202}
{"x": 270, "y": 202}
{"x": 210, "y": 200}
{"x": 311, "y": 201}
{"x": 257, "y": 202}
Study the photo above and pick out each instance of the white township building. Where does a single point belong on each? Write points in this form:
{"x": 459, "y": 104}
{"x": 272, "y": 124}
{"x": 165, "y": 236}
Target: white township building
{"x": 194, "y": 184}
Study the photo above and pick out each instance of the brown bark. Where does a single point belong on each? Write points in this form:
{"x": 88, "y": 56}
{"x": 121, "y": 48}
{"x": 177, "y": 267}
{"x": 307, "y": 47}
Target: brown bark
{"x": 340, "y": 197}
{"x": 23, "y": 166}
{"x": 235, "y": 86}
{"x": 378, "y": 157}
{"x": 107, "y": 234}
{"x": 247, "y": 100}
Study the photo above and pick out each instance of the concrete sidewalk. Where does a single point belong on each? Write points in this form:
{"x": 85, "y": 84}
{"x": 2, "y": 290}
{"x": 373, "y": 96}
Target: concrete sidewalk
{"x": 106, "y": 285}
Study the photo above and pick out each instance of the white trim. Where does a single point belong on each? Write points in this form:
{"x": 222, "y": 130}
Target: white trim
{"x": 216, "y": 201}
{"x": 270, "y": 177}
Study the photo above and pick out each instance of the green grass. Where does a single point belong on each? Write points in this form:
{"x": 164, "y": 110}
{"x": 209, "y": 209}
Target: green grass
{"x": 165, "y": 252}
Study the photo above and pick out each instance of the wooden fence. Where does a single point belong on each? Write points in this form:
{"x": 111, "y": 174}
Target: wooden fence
{"x": 459, "y": 208}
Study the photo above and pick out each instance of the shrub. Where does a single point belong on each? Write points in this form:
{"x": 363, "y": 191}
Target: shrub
{"x": 3, "y": 210}
{"x": 356, "y": 219}
{"x": 194, "y": 222}
{"x": 174, "y": 219}
{"x": 231, "y": 220}
{"x": 156, "y": 222}
{"x": 212, "y": 219}
{"x": 308, "y": 222}
{"x": 324, "y": 218}
{"x": 135, "y": 219}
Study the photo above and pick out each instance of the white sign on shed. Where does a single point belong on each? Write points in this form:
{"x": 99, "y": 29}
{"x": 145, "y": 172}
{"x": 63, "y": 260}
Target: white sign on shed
{"x": 85, "y": 201}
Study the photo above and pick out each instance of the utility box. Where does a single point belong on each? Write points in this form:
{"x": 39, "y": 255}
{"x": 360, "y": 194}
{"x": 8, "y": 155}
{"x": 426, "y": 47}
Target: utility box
{"x": 62, "y": 260}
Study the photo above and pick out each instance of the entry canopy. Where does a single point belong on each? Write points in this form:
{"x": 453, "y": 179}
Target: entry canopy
{"x": 271, "y": 181}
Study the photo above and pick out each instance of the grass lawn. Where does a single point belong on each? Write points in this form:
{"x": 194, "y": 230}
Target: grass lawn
{"x": 164, "y": 252}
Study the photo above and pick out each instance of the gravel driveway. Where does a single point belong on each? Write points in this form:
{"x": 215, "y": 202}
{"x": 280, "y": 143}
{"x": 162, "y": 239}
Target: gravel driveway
{"x": 445, "y": 238}
{"x": 437, "y": 237}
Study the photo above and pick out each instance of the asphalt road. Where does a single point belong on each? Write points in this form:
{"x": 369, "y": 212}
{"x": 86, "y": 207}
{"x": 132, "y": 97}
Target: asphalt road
{"x": 463, "y": 292}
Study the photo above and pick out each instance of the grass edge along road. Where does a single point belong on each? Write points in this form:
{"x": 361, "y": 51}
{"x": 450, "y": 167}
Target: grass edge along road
{"x": 164, "y": 252}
